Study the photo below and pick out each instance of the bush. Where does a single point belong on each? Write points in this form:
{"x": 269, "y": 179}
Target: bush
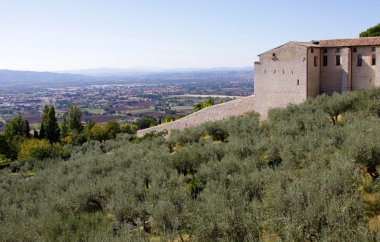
{"x": 169, "y": 118}
{"x": 4, "y": 159}
{"x": 99, "y": 133}
{"x": 293, "y": 177}
{"x": 217, "y": 132}
{"x": 207, "y": 103}
{"x": 146, "y": 122}
{"x": 54, "y": 151}
{"x": 112, "y": 128}
{"x": 187, "y": 136}
{"x": 41, "y": 149}
{"x": 7, "y": 148}
{"x": 30, "y": 145}
{"x": 128, "y": 128}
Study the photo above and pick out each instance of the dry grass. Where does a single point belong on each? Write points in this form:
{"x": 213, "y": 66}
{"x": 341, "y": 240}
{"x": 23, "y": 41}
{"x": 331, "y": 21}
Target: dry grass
{"x": 374, "y": 223}
{"x": 270, "y": 238}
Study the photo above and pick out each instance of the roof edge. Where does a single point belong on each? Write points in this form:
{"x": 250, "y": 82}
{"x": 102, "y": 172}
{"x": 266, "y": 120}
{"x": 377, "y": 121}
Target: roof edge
{"x": 289, "y": 42}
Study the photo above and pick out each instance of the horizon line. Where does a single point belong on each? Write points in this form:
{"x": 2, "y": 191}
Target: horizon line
{"x": 131, "y": 69}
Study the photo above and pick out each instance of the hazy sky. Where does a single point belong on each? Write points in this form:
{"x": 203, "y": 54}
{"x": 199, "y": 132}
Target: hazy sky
{"x": 75, "y": 34}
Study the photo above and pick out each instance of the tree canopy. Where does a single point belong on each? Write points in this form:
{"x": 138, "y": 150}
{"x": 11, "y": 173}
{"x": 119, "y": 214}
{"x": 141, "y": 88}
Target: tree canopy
{"x": 64, "y": 126}
{"x": 146, "y": 122}
{"x": 371, "y": 32}
{"x": 207, "y": 103}
{"x": 74, "y": 121}
{"x": 18, "y": 126}
{"x": 7, "y": 148}
{"x": 49, "y": 124}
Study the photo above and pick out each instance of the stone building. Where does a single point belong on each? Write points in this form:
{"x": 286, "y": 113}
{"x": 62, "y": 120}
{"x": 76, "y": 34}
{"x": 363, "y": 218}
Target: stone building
{"x": 295, "y": 71}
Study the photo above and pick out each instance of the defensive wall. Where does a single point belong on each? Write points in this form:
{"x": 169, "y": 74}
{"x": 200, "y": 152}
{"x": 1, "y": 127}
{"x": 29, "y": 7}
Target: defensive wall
{"x": 214, "y": 113}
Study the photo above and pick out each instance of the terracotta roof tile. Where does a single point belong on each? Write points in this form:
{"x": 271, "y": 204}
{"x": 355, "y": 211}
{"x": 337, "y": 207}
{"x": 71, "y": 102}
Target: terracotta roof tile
{"x": 307, "y": 44}
{"x": 368, "y": 41}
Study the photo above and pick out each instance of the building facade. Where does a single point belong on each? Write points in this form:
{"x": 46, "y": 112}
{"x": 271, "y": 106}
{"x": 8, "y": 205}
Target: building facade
{"x": 295, "y": 71}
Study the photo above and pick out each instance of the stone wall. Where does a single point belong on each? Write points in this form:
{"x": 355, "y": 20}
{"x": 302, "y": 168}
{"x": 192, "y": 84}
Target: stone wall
{"x": 313, "y": 71}
{"x": 364, "y": 77}
{"x": 348, "y": 75}
{"x": 217, "y": 112}
{"x": 334, "y": 77}
{"x": 281, "y": 77}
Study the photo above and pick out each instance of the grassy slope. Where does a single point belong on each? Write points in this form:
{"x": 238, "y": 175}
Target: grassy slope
{"x": 308, "y": 172}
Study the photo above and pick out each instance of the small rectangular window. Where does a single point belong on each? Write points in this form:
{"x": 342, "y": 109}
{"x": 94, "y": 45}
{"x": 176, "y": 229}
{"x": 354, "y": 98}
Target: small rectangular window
{"x": 325, "y": 60}
{"x": 324, "y": 50}
{"x": 373, "y": 59}
{"x": 355, "y": 49}
{"x": 312, "y": 50}
{"x": 360, "y": 60}
{"x": 315, "y": 61}
{"x": 338, "y": 50}
{"x": 298, "y": 82}
{"x": 337, "y": 62}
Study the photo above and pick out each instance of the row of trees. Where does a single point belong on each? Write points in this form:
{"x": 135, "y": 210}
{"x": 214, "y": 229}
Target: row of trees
{"x": 70, "y": 130}
{"x": 18, "y": 142}
{"x": 19, "y": 127}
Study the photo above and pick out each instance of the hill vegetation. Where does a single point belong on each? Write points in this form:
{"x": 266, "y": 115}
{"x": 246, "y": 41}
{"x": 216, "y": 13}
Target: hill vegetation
{"x": 17, "y": 142}
{"x": 371, "y": 32}
{"x": 307, "y": 173}
{"x": 207, "y": 103}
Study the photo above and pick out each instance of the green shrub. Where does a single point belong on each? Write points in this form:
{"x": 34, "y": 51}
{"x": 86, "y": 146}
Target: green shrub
{"x": 146, "y": 122}
{"x": 217, "y": 132}
{"x": 294, "y": 177}
{"x": 50, "y": 152}
{"x": 4, "y": 159}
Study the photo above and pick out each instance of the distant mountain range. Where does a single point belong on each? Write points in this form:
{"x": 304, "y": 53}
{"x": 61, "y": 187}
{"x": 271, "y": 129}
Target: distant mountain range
{"x": 20, "y": 77}
{"x": 104, "y": 72}
{"x": 25, "y": 79}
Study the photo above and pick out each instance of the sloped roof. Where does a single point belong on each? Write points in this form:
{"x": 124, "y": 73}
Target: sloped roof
{"x": 307, "y": 44}
{"x": 367, "y": 41}
{"x": 290, "y": 42}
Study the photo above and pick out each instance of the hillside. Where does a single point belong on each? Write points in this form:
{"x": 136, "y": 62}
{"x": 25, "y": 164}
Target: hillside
{"x": 307, "y": 173}
{"x": 12, "y": 78}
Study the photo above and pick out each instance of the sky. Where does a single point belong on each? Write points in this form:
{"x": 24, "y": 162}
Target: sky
{"x": 57, "y": 35}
